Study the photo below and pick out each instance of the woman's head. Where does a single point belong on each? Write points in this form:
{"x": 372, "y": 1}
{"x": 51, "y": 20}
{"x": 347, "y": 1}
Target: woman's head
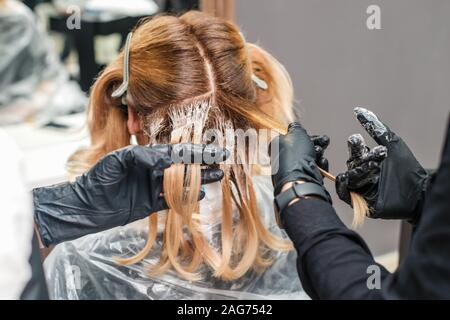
{"x": 188, "y": 74}
{"x": 176, "y": 60}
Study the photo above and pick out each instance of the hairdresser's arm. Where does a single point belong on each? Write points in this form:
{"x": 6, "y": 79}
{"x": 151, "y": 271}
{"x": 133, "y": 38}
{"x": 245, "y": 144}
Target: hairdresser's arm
{"x": 335, "y": 263}
{"x": 326, "y": 248}
{"x": 124, "y": 186}
{"x": 332, "y": 260}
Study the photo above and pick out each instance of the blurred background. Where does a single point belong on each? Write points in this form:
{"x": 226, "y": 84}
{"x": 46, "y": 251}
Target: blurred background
{"x": 401, "y": 72}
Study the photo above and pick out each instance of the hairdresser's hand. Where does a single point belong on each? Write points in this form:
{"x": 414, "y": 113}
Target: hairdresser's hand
{"x": 389, "y": 177}
{"x": 293, "y": 158}
{"x": 363, "y": 170}
{"x": 124, "y": 186}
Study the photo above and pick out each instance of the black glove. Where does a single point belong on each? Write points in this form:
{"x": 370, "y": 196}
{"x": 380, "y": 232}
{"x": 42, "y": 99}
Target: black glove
{"x": 321, "y": 142}
{"x": 363, "y": 170}
{"x": 124, "y": 186}
{"x": 294, "y": 158}
{"x": 393, "y": 187}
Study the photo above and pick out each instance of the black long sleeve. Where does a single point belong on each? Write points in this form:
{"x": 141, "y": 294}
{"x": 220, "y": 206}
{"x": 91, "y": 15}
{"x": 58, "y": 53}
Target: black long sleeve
{"x": 333, "y": 260}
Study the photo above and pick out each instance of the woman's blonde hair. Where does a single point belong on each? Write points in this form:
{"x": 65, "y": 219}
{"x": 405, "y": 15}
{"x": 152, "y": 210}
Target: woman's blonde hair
{"x": 188, "y": 74}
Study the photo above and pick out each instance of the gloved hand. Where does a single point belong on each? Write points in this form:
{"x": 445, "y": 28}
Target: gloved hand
{"x": 124, "y": 186}
{"x": 294, "y": 158}
{"x": 389, "y": 177}
{"x": 363, "y": 170}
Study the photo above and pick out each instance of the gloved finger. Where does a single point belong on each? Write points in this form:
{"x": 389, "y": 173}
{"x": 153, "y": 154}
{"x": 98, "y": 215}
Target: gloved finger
{"x": 356, "y": 146}
{"x": 155, "y": 157}
{"x": 198, "y": 153}
{"x": 319, "y": 151}
{"x": 367, "y": 180}
{"x": 360, "y": 171}
{"x": 295, "y": 131}
{"x": 321, "y": 140}
{"x": 378, "y": 154}
{"x": 211, "y": 151}
{"x": 323, "y": 164}
{"x": 376, "y": 129}
{"x": 341, "y": 185}
{"x": 161, "y": 203}
{"x": 211, "y": 175}
{"x": 364, "y": 175}
{"x": 320, "y": 159}
{"x": 295, "y": 126}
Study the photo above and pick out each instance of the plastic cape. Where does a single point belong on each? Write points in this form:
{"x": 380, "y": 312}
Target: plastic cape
{"x": 85, "y": 268}
{"x": 33, "y": 82}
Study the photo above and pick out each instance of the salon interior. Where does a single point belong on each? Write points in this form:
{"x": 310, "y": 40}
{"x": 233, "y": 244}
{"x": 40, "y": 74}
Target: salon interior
{"x": 391, "y": 57}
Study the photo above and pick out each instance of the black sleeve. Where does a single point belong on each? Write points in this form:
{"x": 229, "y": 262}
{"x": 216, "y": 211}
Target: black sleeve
{"x": 335, "y": 263}
{"x": 332, "y": 260}
{"x": 425, "y": 273}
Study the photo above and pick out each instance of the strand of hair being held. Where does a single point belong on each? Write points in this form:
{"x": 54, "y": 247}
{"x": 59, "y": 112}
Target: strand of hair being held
{"x": 360, "y": 208}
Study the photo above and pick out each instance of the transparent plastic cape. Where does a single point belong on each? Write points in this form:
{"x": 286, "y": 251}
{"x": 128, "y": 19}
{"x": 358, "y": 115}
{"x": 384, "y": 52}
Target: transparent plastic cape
{"x": 33, "y": 82}
{"x": 85, "y": 268}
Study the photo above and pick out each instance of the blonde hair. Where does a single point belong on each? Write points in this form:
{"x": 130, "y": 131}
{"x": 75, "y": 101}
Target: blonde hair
{"x": 189, "y": 74}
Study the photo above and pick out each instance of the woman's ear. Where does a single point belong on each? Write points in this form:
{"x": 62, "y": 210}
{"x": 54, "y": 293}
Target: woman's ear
{"x": 134, "y": 122}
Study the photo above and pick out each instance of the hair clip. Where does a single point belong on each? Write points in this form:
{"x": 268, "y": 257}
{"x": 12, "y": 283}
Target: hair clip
{"x": 122, "y": 89}
{"x": 259, "y": 82}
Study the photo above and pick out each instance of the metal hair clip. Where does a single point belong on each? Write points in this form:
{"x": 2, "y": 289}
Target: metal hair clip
{"x": 122, "y": 89}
